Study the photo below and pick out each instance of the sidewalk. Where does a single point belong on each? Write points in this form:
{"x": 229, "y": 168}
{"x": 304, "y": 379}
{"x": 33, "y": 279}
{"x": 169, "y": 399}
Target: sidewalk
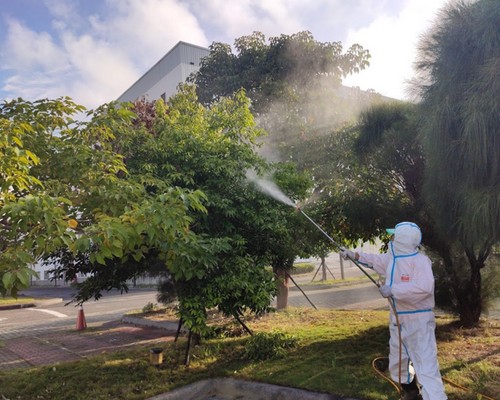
{"x": 72, "y": 345}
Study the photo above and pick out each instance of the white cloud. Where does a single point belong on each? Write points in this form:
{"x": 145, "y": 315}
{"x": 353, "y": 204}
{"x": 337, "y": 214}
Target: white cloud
{"x": 26, "y": 49}
{"x": 62, "y": 9}
{"x": 147, "y": 29}
{"x": 392, "y": 42}
{"x": 327, "y": 20}
{"x": 100, "y": 73}
{"x": 230, "y": 20}
{"x": 33, "y": 86}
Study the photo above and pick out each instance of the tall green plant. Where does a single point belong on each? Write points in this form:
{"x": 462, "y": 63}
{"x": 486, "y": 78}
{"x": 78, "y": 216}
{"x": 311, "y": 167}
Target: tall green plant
{"x": 458, "y": 64}
{"x": 294, "y": 82}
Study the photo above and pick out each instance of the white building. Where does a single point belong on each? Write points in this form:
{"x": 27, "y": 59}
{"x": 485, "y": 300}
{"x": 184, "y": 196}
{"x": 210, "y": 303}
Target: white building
{"x": 162, "y": 79}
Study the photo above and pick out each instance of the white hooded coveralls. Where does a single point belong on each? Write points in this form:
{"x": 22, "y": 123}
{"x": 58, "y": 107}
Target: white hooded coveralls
{"x": 409, "y": 274}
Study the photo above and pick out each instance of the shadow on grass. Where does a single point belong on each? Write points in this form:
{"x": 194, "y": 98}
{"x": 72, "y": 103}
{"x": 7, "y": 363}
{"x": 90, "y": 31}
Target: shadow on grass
{"x": 338, "y": 366}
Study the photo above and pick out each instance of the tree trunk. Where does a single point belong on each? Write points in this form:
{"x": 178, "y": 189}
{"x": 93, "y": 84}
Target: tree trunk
{"x": 470, "y": 307}
{"x": 467, "y": 291}
{"x": 471, "y": 301}
{"x": 282, "y": 284}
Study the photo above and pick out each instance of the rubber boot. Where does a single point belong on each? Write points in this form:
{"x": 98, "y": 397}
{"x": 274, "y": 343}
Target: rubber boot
{"x": 410, "y": 391}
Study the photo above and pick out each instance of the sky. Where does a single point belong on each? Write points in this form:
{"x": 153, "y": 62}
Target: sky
{"x": 93, "y": 50}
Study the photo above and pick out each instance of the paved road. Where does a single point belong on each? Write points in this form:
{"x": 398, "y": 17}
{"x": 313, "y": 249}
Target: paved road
{"x": 360, "y": 296}
{"x": 355, "y": 291}
{"x": 56, "y": 314}
{"x": 354, "y": 297}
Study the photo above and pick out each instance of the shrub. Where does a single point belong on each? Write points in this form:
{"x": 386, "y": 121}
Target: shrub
{"x": 302, "y": 268}
{"x": 265, "y": 346}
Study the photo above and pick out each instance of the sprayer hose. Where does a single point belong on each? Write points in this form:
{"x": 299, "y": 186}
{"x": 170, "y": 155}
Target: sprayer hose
{"x": 383, "y": 376}
{"x": 479, "y": 395}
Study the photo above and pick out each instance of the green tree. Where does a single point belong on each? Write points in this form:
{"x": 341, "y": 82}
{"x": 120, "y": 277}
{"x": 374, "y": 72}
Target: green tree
{"x": 458, "y": 64}
{"x": 64, "y": 189}
{"x": 294, "y": 81}
{"x": 383, "y": 183}
{"x": 211, "y": 148}
{"x": 367, "y": 176}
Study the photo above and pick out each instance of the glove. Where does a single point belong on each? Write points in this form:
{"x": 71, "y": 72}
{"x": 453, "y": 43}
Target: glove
{"x": 345, "y": 254}
{"x": 385, "y": 291}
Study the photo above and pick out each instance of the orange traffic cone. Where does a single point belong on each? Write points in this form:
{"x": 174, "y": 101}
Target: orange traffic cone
{"x": 81, "y": 324}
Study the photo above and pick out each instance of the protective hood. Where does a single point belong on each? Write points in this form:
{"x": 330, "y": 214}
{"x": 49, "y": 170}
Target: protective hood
{"x": 407, "y": 238}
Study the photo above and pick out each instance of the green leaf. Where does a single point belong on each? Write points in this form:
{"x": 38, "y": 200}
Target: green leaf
{"x": 8, "y": 280}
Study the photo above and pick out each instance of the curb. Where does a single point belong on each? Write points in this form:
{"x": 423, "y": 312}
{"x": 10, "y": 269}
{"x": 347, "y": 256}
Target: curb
{"x": 323, "y": 286}
{"x": 48, "y": 302}
{"x": 35, "y": 303}
{"x": 167, "y": 325}
{"x": 16, "y": 306}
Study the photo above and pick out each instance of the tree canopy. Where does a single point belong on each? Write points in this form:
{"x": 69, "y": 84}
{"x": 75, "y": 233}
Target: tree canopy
{"x": 285, "y": 66}
{"x": 65, "y": 192}
{"x": 212, "y": 148}
{"x": 294, "y": 84}
{"x": 144, "y": 188}
{"x": 293, "y": 81}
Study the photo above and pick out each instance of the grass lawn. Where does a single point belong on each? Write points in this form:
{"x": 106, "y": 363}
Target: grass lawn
{"x": 7, "y": 301}
{"x": 333, "y": 354}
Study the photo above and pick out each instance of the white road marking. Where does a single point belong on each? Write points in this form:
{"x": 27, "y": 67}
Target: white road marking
{"x": 55, "y": 313}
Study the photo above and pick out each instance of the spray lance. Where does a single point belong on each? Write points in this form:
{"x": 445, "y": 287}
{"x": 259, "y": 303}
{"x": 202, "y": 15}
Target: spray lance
{"x": 337, "y": 245}
{"x": 271, "y": 189}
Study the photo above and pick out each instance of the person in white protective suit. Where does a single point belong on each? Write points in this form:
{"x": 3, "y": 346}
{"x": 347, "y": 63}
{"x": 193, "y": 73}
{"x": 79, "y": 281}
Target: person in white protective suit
{"x": 409, "y": 285}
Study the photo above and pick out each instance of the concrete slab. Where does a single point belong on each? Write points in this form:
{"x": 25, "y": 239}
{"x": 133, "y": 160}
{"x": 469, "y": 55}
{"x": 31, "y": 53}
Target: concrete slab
{"x": 234, "y": 389}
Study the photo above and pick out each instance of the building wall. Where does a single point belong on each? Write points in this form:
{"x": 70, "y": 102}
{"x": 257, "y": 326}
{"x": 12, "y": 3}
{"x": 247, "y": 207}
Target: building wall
{"x": 163, "y": 78}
